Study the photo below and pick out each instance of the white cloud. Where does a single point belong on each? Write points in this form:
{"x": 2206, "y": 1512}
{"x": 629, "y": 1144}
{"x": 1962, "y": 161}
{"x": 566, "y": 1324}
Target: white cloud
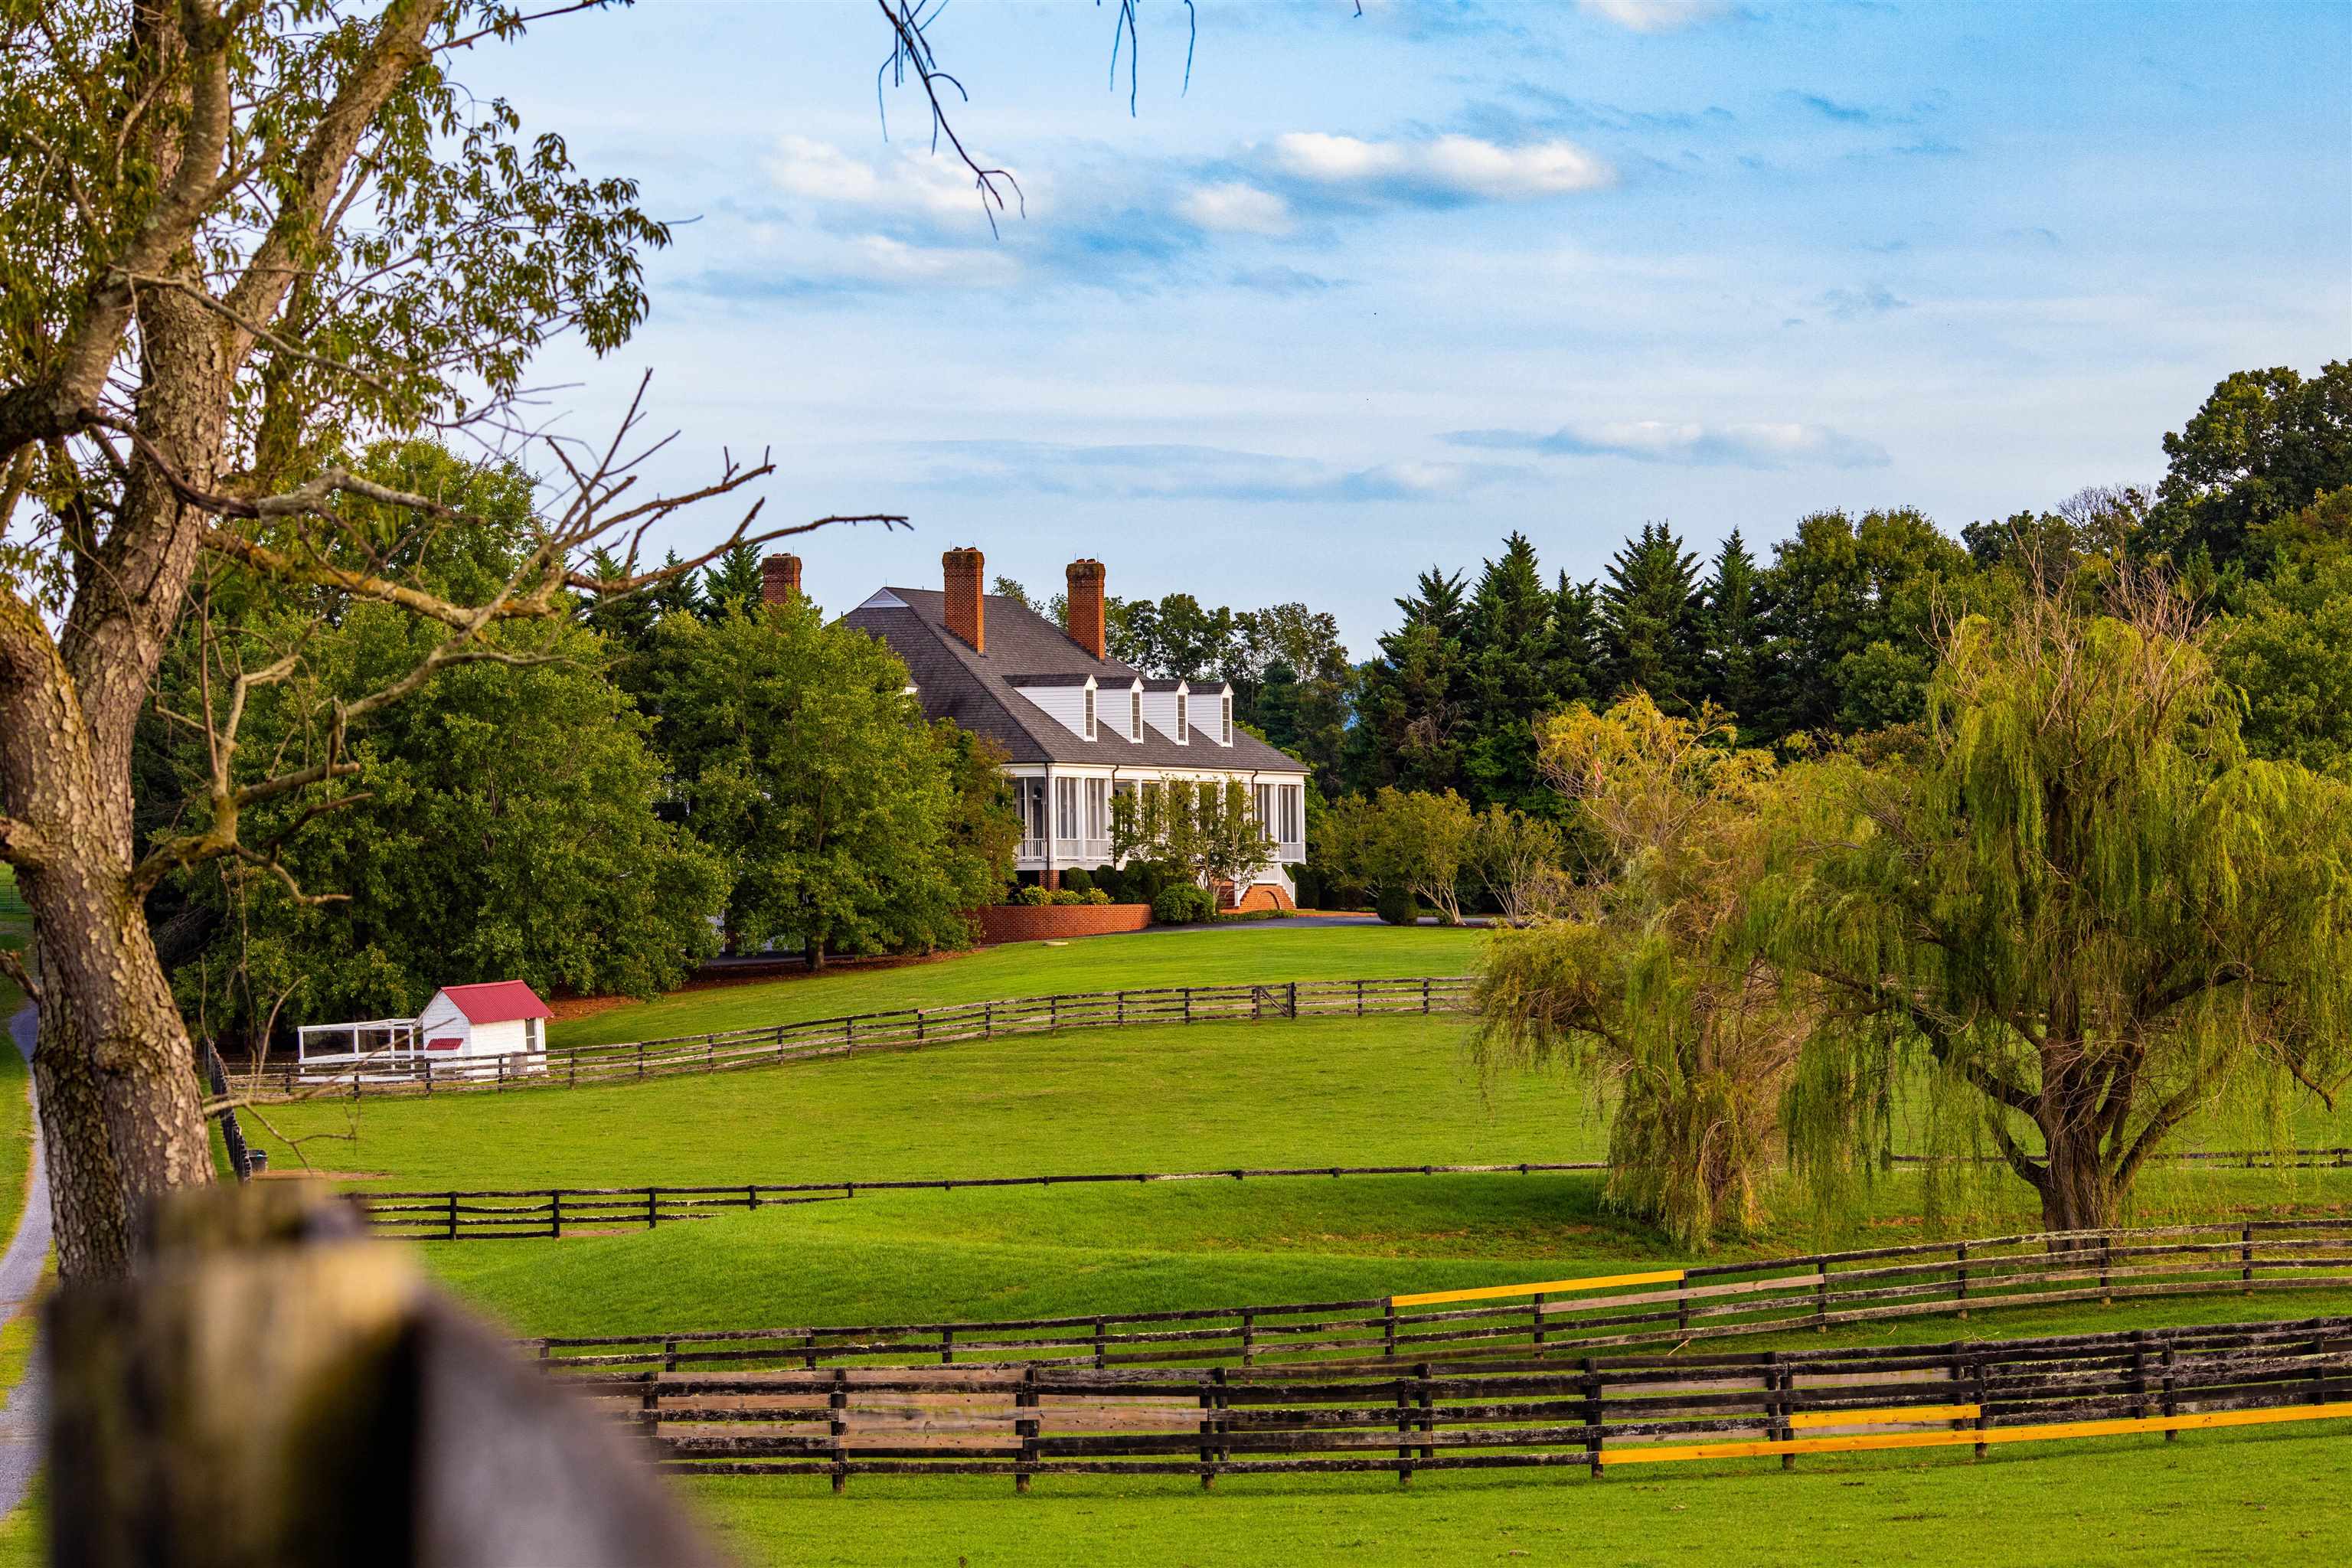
{"x": 1236, "y": 208}
{"x": 904, "y": 180}
{"x": 1166, "y": 472}
{"x": 1655, "y": 16}
{"x": 879, "y": 258}
{"x": 1463, "y": 165}
{"x": 1755, "y": 445}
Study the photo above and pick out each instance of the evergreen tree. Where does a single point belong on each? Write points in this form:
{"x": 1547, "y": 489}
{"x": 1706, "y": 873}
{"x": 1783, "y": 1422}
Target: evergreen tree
{"x": 732, "y": 582}
{"x": 1410, "y": 706}
{"x": 1735, "y": 634}
{"x": 1652, "y": 623}
{"x": 1506, "y": 655}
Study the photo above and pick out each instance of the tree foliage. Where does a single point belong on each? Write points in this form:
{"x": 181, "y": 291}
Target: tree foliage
{"x": 846, "y": 821}
{"x": 1203, "y": 829}
{"x": 2266, "y": 444}
{"x": 2079, "y": 898}
{"x": 1649, "y": 993}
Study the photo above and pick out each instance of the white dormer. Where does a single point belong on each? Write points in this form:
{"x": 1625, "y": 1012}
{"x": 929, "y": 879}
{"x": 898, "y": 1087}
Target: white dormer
{"x": 1167, "y": 708}
{"x": 1074, "y": 700}
{"x": 1216, "y": 720}
{"x": 1131, "y": 720}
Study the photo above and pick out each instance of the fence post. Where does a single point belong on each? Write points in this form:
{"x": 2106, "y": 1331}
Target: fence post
{"x": 1821, "y": 1296}
{"x": 1981, "y": 1396}
{"x": 555, "y": 1213}
{"x": 1960, "y": 1261}
{"x": 1188, "y": 1003}
{"x": 1360, "y": 998}
{"x": 1249, "y": 1340}
{"x": 452, "y": 1217}
{"x": 1535, "y": 1311}
{"x": 653, "y": 1213}
{"x": 1025, "y": 1428}
{"x": 919, "y": 1026}
{"x": 641, "y": 1059}
{"x": 1391, "y": 1351}
{"x": 752, "y": 1196}
{"x": 1294, "y": 999}
{"x": 1102, "y": 1360}
{"x": 1592, "y": 1416}
{"x": 502, "y": 1075}
{"x": 1404, "y": 1426}
{"x": 1428, "y": 1412}
{"x": 2246, "y": 1260}
{"x": 2139, "y": 1371}
{"x": 2171, "y": 1401}
{"x": 574, "y": 1055}
{"x": 1208, "y": 1430}
{"x": 988, "y": 1020}
{"x": 947, "y": 1347}
{"x": 1424, "y": 998}
{"x": 838, "y": 1409}
{"x": 428, "y": 1077}
{"x": 1778, "y": 1427}
{"x": 2107, "y": 1297}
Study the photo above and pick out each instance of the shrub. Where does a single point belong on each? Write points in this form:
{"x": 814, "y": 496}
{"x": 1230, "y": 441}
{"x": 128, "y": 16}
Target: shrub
{"x": 1308, "y": 881}
{"x": 1077, "y": 880}
{"x": 1146, "y": 881}
{"x": 1096, "y": 896}
{"x": 1397, "y": 906}
{"x": 1181, "y": 904}
{"x": 1064, "y": 898}
{"x": 1113, "y": 880}
{"x": 1033, "y": 895}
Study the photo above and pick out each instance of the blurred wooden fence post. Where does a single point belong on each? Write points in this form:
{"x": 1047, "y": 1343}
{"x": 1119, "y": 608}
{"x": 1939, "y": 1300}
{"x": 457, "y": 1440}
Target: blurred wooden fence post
{"x": 272, "y": 1388}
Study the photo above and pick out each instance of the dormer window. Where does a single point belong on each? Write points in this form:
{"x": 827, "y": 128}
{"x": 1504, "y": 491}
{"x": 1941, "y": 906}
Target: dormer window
{"x": 1184, "y": 731}
{"x": 1225, "y": 721}
{"x": 1090, "y": 713}
{"x": 1135, "y": 713}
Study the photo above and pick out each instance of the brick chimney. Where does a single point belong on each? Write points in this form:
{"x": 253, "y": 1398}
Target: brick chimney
{"x": 967, "y": 617}
{"x": 780, "y": 579}
{"x": 1083, "y": 614}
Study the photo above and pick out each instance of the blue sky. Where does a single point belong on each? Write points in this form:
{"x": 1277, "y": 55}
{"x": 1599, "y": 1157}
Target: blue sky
{"x": 1378, "y": 289}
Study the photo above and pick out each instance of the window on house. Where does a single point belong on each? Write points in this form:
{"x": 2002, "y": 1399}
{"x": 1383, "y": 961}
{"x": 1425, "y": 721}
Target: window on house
{"x": 1293, "y": 831}
{"x": 1182, "y": 735}
{"x": 1261, "y": 804}
{"x": 1135, "y": 713}
{"x": 1030, "y": 794}
{"x": 1097, "y": 808}
{"x": 1065, "y": 808}
{"x": 1225, "y": 721}
{"x": 1090, "y": 713}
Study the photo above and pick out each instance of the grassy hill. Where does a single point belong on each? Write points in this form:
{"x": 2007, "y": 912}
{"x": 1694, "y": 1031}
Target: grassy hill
{"x": 1208, "y": 955}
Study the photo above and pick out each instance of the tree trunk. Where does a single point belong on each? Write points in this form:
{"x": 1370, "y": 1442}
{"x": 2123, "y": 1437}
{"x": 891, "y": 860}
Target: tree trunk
{"x": 121, "y": 1116}
{"x": 2078, "y": 1192}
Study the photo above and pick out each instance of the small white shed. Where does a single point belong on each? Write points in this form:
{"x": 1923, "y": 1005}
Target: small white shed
{"x": 496, "y": 1019}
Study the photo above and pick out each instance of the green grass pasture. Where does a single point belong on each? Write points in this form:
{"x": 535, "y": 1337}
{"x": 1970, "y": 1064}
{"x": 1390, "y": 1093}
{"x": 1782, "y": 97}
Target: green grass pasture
{"x": 1204, "y": 956}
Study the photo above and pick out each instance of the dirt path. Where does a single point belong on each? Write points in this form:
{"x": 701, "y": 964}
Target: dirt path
{"x": 20, "y": 1272}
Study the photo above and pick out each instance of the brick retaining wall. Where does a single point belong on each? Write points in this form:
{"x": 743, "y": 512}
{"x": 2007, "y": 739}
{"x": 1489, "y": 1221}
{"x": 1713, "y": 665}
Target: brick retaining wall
{"x": 1036, "y": 922}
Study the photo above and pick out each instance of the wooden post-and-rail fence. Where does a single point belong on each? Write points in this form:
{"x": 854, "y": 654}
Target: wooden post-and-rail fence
{"x": 1595, "y": 1414}
{"x": 526, "y": 1212}
{"x": 904, "y": 1028}
{"x": 1549, "y": 1320}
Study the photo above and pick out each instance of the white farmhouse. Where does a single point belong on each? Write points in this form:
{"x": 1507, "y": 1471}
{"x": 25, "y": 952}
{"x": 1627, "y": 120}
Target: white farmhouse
{"x": 1079, "y": 728}
{"x": 496, "y": 1019}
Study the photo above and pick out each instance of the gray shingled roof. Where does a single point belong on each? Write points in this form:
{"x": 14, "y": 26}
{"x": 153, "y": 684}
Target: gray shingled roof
{"x": 977, "y": 691}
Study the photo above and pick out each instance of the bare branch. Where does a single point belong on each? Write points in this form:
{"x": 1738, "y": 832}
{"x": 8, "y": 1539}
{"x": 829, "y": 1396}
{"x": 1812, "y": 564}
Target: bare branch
{"x": 14, "y": 968}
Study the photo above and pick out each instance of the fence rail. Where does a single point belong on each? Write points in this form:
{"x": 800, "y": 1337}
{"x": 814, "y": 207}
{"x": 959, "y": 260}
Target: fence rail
{"x": 521, "y": 1212}
{"x": 451, "y": 1216}
{"x": 1549, "y": 1320}
{"x": 1599, "y": 1413}
{"x": 902, "y": 1030}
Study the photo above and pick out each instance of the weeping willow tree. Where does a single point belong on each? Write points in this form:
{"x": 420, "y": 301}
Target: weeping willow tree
{"x": 1650, "y": 991}
{"x": 2076, "y": 896}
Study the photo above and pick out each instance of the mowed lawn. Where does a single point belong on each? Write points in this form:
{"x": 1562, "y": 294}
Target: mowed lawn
{"x": 1208, "y": 955}
{"x": 2259, "y": 1496}
{"x": 15, "y": 1108}
{"x": 1380, "y": 1090}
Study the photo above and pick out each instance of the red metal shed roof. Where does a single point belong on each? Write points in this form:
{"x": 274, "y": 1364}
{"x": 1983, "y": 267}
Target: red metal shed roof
{"x": 496, "y": 1001}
